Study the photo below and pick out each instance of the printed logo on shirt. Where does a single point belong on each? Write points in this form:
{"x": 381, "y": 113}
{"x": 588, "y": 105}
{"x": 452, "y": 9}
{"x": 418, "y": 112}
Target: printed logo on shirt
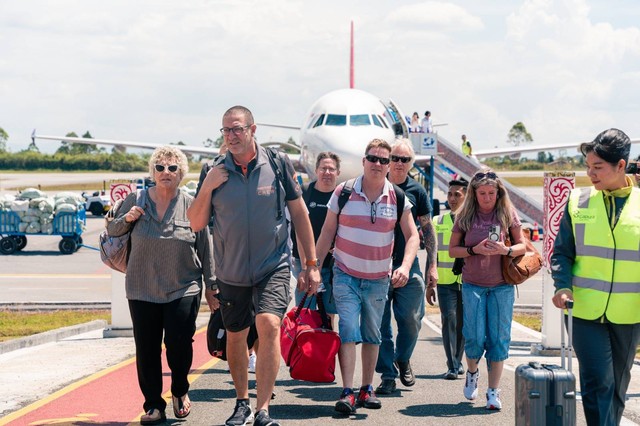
{"x": 313, "y": 205}
{"x": 584, "y": 216}
{"x": 266, "y": 190}
{"x": 387, "y": 211}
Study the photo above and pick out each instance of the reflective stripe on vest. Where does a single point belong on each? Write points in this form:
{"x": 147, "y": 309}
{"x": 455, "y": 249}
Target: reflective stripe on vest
{"x": 443, "y": 225}
{"x": 606, "y": 271}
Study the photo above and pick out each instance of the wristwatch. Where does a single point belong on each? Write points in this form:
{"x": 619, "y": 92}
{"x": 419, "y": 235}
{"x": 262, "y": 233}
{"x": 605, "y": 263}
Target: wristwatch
{"x": 312, "y": 262}
{"x": 509, "y": 252}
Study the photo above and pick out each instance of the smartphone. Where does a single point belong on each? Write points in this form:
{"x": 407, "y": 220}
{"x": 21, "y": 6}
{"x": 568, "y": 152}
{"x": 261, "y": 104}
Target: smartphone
{"x": 632, "y": 168}
{"x": 494, "y": 233}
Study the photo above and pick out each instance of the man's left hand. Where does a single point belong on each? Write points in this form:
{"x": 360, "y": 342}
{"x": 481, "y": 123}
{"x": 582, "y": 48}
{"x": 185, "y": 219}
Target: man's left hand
{"x": 313, "y": 279}
{"x": 400, "y": 277}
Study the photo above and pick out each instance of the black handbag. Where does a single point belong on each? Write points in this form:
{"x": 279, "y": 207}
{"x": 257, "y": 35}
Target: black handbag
{"x": 217, "y": 336}
{"x": 458, "y": 263}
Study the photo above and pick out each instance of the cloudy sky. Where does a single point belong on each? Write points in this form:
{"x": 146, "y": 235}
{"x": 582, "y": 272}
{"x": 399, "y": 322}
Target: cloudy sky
{"x": 165, "y": 71}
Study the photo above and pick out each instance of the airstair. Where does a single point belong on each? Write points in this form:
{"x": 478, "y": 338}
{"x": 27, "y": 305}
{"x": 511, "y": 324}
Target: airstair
{"x": 450, "y": 157}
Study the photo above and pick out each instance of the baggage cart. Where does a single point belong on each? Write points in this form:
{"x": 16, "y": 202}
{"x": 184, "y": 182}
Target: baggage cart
{"x": 68, "y": 225}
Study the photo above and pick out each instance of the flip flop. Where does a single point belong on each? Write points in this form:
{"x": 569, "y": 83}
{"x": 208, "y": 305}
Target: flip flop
{"x": 181, "y": 406}
{"x": 153, "y": 417}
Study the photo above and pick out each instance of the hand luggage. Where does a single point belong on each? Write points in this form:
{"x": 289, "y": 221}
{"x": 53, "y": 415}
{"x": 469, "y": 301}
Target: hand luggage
{"x": 308, "y": 344}
{"x": 546, "y": 394}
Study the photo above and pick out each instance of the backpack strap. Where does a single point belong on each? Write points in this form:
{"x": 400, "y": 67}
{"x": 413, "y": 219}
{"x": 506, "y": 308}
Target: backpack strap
{"x": 307, "y": 190}
{"x": 278, "y": 169}
{"x": 347, "y": 189}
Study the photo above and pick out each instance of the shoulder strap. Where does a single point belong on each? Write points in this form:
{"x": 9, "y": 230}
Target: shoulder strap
{"x": 141, "y": 198}
{"x": 400, "y": 201}
{"x": 347, "y": 189}
{"x": 306, "y": 191}
{"x": 278, "y": 170}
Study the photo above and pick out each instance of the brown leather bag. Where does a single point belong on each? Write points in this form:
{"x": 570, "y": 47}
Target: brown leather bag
{"x": 517, "y": 270}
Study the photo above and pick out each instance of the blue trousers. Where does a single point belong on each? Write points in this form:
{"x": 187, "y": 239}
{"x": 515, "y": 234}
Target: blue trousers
{"x": 408, "y": 309}
{"x": 605, "y": 352}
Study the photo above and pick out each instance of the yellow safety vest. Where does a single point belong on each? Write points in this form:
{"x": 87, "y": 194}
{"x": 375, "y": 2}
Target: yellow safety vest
{"x": 443, "y": 225}
{"x": 606, "y": 272}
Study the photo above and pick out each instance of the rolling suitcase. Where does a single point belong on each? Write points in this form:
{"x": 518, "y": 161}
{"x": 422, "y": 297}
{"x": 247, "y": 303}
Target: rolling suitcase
{"x": 546, "y": 394}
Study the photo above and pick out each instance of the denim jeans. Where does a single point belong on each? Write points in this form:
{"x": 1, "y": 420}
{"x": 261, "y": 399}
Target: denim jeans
{"x": 327, "y": 294}
{"x": 487, "y": 312}
{"x": 450, "y": 301}
{"x": 408, "y": 309}
{"x": 360, "y": 304}
{"x": 606, "y": 352}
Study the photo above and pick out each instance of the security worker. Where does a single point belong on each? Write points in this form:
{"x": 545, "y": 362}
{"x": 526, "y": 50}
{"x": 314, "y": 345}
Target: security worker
{"x": 449, "y": 290}
{"x": 596, "y": 263}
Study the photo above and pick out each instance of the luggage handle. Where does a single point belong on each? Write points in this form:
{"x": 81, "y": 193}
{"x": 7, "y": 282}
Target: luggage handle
{"x": 326, "y": 323}
{"x": 566, "y": 350}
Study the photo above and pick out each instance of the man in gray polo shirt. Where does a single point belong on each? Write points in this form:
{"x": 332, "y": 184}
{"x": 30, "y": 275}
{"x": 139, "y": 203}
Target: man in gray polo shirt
{"x": 246, "y": 200}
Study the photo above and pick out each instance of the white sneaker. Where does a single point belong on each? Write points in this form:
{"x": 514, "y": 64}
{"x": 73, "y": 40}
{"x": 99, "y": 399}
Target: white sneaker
{"x": 493, "y": 399}
{"x": 471, "y": 385}
{"x": 252, "y": 362}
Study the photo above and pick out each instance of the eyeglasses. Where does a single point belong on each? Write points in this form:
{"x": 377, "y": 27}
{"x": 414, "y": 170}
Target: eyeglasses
{"x": 374, "y": 207}
{"x": 236, "y": 130}
{"x": 480, "y": 176}
{"x": 172, "y": 168}
{"x": 328, "y": 170}
{"x": 403, "y": 160}
{"x": 374, "y": 159}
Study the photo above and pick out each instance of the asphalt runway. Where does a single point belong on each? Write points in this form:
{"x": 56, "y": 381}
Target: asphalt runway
{"x": 40, "y": 273}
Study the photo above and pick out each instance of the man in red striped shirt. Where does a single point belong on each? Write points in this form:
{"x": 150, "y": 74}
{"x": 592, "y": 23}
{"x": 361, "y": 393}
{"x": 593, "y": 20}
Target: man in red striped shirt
{"x": 364, "y": 235}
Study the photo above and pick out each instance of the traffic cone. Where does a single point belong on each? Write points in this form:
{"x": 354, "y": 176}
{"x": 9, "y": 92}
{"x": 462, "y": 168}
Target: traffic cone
{"x": 535, "y": 236}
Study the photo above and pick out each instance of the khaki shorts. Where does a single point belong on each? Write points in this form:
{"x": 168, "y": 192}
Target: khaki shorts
{"x": 240, "y": 305}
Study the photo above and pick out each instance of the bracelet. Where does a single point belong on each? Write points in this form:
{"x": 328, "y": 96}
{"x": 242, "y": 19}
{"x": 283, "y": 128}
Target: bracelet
{"x": 470, "y": 251}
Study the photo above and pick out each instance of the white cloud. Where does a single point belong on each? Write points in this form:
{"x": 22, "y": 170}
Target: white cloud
{"x": 163, "y": 71}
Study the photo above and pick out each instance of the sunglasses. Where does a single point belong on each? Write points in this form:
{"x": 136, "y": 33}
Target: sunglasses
{"x": 374, "y": 159}
{"x": 489, "y": 175}
{"x": 403, "y": 160}
{"x": 172, "y": 168}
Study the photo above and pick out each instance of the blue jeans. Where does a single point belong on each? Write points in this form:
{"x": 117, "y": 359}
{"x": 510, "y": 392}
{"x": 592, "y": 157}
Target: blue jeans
{"x": 487, "y": 321}
{"x": 360, "y": 304}
{"x": 327, "y": 293}
{"x": 450, "y": 301}
{"x": 408, "y": 310}
{"x": 606, "y": 352}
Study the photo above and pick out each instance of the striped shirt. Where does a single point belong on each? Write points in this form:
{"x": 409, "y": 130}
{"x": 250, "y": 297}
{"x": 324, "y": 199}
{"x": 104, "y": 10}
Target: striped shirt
{"x": 167, "y": 259}
{"x": 363, "y": 249}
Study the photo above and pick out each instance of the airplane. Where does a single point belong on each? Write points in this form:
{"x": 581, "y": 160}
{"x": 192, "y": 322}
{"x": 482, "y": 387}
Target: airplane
{"x": 343, "y": 121}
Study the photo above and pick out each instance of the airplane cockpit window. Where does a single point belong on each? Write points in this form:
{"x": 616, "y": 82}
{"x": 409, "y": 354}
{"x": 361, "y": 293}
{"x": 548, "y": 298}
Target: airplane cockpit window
{"x": 376, "y": 121}
{"x": 336, "y": 120}
{"x": 319, "y": 121}
{"x": 359, "y": 120}
{"x": 384, "y": 123}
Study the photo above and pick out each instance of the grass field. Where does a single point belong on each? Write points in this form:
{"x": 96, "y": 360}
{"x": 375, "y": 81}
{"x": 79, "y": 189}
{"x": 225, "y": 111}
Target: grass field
{"x": 14, "y": 324}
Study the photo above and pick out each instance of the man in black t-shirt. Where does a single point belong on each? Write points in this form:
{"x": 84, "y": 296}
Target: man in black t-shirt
{"x": 316, "y": 197}
{"x": 408, "y": 300}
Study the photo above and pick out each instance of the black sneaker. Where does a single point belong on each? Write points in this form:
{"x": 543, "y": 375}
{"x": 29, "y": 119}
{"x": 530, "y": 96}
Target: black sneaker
{"x": 460, "y": 370}
{"x": 263, "y": 419}
{"x": 347, "y": 402}
{"x": 367, "y": 398}
{"x": 406, "y": 373}
{"x": 242, "y": 414}
{"x": 388, "y": 386}
{"x": 451, "y": 375}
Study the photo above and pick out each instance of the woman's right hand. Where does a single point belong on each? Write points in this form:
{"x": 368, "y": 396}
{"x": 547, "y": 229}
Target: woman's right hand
{"x": 133, "y": 214}
{"x": 560, "y": 298}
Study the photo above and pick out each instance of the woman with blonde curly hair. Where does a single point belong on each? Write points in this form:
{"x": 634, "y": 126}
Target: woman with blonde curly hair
{"x": 168, "y": 265}
{"x": 487, "y": 218}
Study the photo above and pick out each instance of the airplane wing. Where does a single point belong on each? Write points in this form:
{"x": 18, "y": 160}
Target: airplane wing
{"x": 496, "y": 152}
{"x": 129, "y": 144}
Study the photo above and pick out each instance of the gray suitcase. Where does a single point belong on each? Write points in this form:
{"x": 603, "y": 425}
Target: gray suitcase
{"x": 546, "y": 394}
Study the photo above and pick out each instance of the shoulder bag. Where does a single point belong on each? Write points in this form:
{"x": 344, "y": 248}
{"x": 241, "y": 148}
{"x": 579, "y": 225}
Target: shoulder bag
{"x": 517, "y": 270}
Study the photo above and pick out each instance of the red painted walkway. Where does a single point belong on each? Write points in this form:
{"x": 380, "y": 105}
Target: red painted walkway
{"x": 109, "y": 397}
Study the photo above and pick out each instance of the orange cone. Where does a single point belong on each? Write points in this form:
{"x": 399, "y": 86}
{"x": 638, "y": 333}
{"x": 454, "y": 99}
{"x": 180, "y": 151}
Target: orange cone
{"x": 535, "y": 236}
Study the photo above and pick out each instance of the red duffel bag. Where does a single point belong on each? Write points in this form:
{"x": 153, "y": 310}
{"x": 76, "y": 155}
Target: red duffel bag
{"x": 308, "y": 344}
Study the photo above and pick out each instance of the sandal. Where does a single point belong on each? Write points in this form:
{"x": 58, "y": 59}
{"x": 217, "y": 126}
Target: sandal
{"x": 153, "y": 417}
{"x": 181, "y": 406}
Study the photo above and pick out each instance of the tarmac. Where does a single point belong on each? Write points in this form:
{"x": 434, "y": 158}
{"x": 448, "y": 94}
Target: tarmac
{"x": 88, "y": 379}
